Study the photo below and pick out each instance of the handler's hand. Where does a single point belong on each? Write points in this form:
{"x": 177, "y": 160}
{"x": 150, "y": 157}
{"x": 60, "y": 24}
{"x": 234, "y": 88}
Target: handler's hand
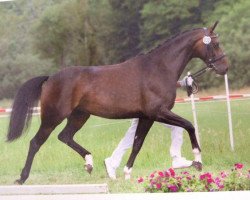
{"x": 186, "y": 81}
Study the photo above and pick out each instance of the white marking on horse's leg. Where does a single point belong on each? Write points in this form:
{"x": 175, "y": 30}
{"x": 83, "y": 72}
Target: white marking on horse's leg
{"x": 127, "y": 172}
{"x": 197, "y": 155}
{"x": 89, "y": 160}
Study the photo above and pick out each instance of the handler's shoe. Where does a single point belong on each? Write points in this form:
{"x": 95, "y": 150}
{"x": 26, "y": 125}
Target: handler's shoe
{"x": 110, "y": 170}
{"x": 181, "y": 162}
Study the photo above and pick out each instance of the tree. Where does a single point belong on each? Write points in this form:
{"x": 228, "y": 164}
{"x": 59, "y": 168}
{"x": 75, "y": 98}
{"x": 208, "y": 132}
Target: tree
{"x": 16, "y": 71}
{"x": 123, "y": 37}
{"x": 65, "y": 34}
{"x": 163, "y": 18}
{"x": 18, "y": 63}
{"x": 235, "y": 35}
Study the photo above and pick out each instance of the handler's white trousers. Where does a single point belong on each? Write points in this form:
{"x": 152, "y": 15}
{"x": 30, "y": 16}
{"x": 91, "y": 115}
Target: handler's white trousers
{"x": 128, "y": 140}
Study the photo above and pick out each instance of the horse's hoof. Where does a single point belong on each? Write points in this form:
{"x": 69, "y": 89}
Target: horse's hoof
{"x": 88, "y": 168}
{"x": 197, "y": 165}
{"x": 18, "y": 182}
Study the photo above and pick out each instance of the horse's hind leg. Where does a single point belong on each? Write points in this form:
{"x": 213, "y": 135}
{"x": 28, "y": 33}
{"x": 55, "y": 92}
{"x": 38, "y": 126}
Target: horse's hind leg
{"x": 142, "y": 129}
{"x": 35, "y": 144}
{"x": 75, "y": 122}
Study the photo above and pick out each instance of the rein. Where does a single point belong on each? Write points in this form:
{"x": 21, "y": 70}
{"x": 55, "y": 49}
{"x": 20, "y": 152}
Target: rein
{"x": 195, "y": 88}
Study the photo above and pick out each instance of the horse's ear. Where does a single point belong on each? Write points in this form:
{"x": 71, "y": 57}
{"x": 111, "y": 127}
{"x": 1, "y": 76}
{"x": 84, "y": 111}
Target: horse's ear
{"x": 214, "y": 26}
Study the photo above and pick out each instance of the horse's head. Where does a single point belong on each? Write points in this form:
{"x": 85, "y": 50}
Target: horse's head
{"x": 208, "y": 49}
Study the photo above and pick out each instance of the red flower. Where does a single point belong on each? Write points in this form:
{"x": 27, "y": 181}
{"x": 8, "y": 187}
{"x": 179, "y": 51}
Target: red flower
{"x": 161, "y": 174}
{"x": 178, "y": 178}
{"x": 219, "y": 183}
{"x": 238, "y": 166}
{"x": 210, "y": 180}
{"x": 158, "y": 186}
{"x": 207, "y": 177}
{"x": 167, "y": 174}
{"x": 220, "y": 186}
{"x": 173, "y": 188}
{"x": 223, "y": 174}
{"x": 203, "y": 176}
{"x": 186, "y": 173}
{"x": 152, "y": 182}
{"x": 172, "y": 172}
{"x": 152, "y": 175}
{"x": 140, "y": 180}
{"x": 217, "y": 180}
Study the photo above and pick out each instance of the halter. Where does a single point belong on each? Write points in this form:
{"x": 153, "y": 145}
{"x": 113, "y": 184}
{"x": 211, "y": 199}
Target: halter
{"x": 210, "y": 60}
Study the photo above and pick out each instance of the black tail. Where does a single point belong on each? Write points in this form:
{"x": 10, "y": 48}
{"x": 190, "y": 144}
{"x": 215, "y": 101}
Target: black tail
{"x": 22, "y": 108}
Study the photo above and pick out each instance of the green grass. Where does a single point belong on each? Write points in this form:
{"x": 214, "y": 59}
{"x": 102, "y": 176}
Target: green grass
{"x": 56, "y": 163}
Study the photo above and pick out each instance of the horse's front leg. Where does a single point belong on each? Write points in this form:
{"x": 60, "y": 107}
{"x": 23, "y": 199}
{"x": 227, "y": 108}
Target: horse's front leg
{"x": 168, "y": 117}
{"x": 142, "y": 129}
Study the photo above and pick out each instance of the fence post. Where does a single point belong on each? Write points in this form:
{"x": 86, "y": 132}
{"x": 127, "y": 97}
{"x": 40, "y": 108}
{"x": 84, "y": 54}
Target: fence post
{"x": 229, "y": 113}
{"x": 195, "y": 117}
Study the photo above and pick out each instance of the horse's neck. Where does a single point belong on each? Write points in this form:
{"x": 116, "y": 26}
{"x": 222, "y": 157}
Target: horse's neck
{"x": 175, "y": 55}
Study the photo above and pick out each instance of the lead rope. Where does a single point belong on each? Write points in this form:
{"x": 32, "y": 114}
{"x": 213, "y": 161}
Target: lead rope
{"x": 195, "y": 88}
{"x": 192, "y": 89}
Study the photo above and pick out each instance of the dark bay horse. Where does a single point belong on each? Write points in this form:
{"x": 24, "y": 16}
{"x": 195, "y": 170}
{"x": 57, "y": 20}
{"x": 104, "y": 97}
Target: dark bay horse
{"x": 143, "y": 87}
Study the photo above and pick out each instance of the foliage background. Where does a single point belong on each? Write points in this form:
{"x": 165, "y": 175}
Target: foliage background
{"x": 42, "y": 36}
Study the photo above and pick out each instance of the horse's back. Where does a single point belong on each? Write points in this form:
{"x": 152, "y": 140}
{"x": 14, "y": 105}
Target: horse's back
{"x": 105, "y": 91}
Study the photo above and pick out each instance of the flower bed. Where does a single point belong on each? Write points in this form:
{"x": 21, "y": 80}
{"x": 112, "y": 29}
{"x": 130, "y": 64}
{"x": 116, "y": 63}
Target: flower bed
{"x": 170, "y": 181}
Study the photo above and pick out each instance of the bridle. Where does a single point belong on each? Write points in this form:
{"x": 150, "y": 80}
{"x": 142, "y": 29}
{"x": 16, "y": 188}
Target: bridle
{"x": 210, "y": 56}
{"x": 210, "y": 60}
